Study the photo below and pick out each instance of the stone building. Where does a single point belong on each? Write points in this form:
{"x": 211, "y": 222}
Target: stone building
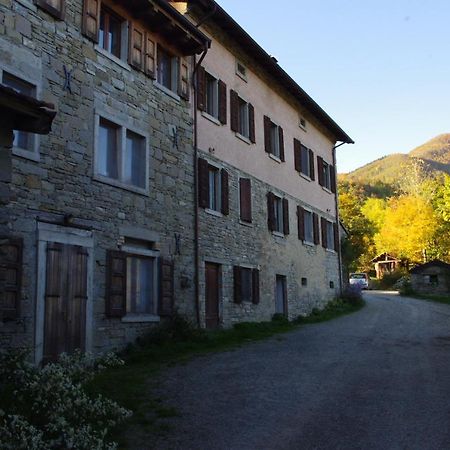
{"x": 432, "y": 277}
{"x": 151, "y": 193}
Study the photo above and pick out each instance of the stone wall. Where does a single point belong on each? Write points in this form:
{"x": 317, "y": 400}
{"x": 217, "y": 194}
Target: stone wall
{"x": 421, "y": 282}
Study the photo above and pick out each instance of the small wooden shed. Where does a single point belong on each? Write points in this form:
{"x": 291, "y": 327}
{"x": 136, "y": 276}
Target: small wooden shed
{"x": 385, "y": 263}
{"x": 431, "y": 278}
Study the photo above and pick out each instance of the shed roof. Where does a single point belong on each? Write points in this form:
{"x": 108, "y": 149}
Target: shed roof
{"x": 384, "y": 257}
{"x": 434, "y": 263}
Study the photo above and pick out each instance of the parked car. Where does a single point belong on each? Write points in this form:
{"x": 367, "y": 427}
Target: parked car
{"x": 359, "y": 278}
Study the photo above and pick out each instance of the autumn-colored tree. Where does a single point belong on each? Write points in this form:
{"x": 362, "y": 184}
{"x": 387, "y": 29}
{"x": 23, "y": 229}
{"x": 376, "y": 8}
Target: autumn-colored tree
{"x": 374, "y": 209}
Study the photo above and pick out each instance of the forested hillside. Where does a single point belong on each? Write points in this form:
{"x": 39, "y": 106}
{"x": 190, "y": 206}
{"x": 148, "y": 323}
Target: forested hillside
{"x": 399, "y": 204}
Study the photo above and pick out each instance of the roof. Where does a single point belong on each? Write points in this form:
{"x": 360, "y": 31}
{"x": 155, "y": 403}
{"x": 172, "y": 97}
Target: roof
{"x": 25, "y": 113}
{"x": 169, "y": 23}
{"x": 384, "y": 257}
{"x": 434, "y": 263}
{"x": 223, "y": 20}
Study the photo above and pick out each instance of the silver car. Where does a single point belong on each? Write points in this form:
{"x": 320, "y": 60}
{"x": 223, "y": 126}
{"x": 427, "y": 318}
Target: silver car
{"x": 360, "y": 278}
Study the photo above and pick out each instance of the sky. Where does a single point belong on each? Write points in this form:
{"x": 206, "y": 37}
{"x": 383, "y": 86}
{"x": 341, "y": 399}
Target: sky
{"x": 380, "y": 69}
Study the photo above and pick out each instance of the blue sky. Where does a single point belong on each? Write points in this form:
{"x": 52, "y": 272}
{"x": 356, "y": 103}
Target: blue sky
{"x": 380, "y": 69}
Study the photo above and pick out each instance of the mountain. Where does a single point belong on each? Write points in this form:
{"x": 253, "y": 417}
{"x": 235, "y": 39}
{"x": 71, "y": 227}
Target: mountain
{"x": 433, "y": 157}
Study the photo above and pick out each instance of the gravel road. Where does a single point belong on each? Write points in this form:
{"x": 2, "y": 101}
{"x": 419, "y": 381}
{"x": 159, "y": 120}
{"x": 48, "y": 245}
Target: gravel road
{"x": 376, "y": 379}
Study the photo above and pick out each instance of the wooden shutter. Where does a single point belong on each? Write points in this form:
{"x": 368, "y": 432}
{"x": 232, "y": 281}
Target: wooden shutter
{"x": 225, "y": 192}
{"x": 332, "y": 179}
{"x": 150, "y": 55}
{"x": 255, "y": 286}
{"x": 203, "y": 183}
{"x": 234, "y": 111}
{"x": 245, "y": 199}
{"x": 270, "y": 211}
{"x": 222, "y": 87}
{"x": 56, "y": 8}
{"x": 201, "y": 88}
{"x": 267, "y": 126}
{"x": 320, "y": 171}
{"x": 184, "y": 79}
{"x": 281, "y": 143}
{"x": 166, "y": 287}
{"x": 11, "y": 250}
{"x": 237, "y": 284}
{"x": 316, "y": 229}
{"x": 251, "y": 123}
{"x": 336, "y": 236}
{"x": 91, "y": 19}
{"x": 323, "y": 229}
{"x": 136, "y": 50}
{"x": 116, "y": 283}
{"x": 311, "y": 165}
{"x": 297, "y": 155}
{"x": 285, "y": 216}
{"x": 301, "y": 223}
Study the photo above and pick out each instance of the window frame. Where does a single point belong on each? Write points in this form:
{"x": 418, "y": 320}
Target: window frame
{"x": 215, "y": 201}
{"x": 274, "y": 135}
{"x": 123, "y": 38}
{"x": 330, "y": 236}
{"x": 278, "y": 214}
{"x": 303, "y": 150}
{"x": 326, "y": 176}
{"x": 174, "y": 61}
{"x": 33, "y": 152}
{"x": 121, "y": 144}
{"x": 210, "y": 78}
{"x": 241, "y": 74}
{"x": 311, "y": 215}
{"x": 139, "y": 251}
{"x": 243, "y": 118}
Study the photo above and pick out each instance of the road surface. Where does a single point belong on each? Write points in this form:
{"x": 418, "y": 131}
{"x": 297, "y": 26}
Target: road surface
{"x": 375, "y": 379}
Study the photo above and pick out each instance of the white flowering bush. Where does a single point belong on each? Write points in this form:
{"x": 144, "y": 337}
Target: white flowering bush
{"x": 49, "y": 408}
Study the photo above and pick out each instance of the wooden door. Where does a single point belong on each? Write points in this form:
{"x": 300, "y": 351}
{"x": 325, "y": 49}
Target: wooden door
{"x": 280, "y": 295}
{"x": 212, "y": 295}
{"x": 65, "y": 299}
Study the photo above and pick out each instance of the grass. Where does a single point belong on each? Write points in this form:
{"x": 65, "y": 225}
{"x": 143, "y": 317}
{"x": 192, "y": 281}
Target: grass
{"x": 431, "y": 298}
{"x": 176, "y": 343}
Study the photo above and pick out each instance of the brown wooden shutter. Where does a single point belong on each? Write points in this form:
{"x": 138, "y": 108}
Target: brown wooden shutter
{"x": 311, "y": 165}
{"x": 320, "y": 171}
{"x": 323, "y": 229}
{"x": 301, "y": 223}
{"x": 316, "y": 229}
{"x": 281, "y": 142}
{"x": 11, "y": 250}
{"x": 251, "y": 123}
{"x": 332, "y": 179}
{"x": 336, "y": 236}
{"x": 245, "y": 199}
{"x": 184, "y": 79}
{"x": 201, "y": 88}
{"x": 222, "y": 102}
{"x": 225, "y": 192}
{"x": 267, "y": 126}
{"x": 203, "y": 183}
{"x": 234, "y": 111}
{"x": 255, "y": 286}
{"x": 136, "y": 43}
{"x": 56, "y": 8}
{"x": 91, "y": 19}
{"x": 150, "y": 55}
{"x": 270, "y": 211}
{"x": 166, "y": 287}
{"x": 237, "y": 284}
{"x": 297, "y": 155}
{"x": 116, "y": 283}
{"x": 285, "y": 216}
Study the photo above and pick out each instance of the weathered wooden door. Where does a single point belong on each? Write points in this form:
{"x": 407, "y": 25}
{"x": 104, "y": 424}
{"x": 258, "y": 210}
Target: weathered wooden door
{"x": 65, "y": 299}
{"x": 280, "y": 295}
{"x": 212, "y": 295}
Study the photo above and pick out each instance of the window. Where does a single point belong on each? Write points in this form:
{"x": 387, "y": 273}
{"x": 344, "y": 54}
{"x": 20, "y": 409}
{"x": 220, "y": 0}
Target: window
{"x": 309, "y": 227}
{"x": 121, "y": 155}
{"x": 304, "y": 281}
{"x": 215, "y": 195}
{"x": 242, "y": 117}
{"x": 110, "y": 33}
{"x": 167, "y": 69}
{"x": 273, "y": 139}
{"x": 302, "y": 123}
{"x": 141, "y": 298}
{"x": 212, "y": 96}
{"x": 54, "y": 7}
{"x": 241, "y": 70}
{"x": 330, "y": 237}
{"x": 22, "y": 140}
{"x": 245, "y": 200}
{"x": 303, "y": 160}
{"x": 212, "y": 187}
{"x": 431, "y": 279}
{"x": 278, "y": 214}
{"x": 327, "y": 176}
{"x": 246, "y": 284}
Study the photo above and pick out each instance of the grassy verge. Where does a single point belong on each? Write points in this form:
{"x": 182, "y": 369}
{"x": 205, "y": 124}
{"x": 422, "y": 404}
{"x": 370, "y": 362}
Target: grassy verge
{"x": 431, "y": 298}
{"x": 176, "y": 343}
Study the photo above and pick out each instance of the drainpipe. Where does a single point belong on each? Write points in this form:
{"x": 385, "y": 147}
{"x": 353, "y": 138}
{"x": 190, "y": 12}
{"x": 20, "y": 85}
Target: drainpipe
{"x": 341, "y": 287}
{"x": 196, "y": 218}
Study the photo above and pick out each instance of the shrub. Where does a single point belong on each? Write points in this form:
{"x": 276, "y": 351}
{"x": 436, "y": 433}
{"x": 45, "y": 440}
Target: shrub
{"x": 280, "y": 318}
{"x": 403, "y": 285}
{"x": 390, "y": 278}
{"x": 49, "y": 408}
{"x": 352, "y": 294}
